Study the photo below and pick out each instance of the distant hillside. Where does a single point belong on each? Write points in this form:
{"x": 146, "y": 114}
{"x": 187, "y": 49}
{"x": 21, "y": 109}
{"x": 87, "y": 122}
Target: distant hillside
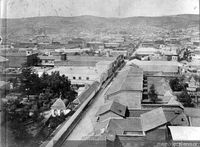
{"x": 58, "y": 27}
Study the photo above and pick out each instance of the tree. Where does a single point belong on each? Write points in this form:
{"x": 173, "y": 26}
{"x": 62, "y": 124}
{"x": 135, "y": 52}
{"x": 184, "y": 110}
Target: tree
{"x": 30, "y": 82}
{"x": 185, "y": 99}
{"x": 176, "y": 85}
{"x": 58, "y": 85}
{"x": 152, "y": 94}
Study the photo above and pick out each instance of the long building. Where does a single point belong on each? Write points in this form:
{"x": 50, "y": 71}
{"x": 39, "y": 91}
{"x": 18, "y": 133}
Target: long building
{"x": 127, "y": 87}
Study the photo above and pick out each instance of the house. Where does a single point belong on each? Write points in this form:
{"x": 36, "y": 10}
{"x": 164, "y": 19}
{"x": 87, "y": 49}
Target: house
{"x": 111, "y": 110}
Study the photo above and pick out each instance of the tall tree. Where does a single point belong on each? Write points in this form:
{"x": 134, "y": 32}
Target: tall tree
{"x": 152, "y": 94}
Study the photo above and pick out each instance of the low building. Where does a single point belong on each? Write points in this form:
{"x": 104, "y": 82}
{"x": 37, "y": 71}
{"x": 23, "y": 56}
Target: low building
{"x": 168, "y": 67}
{"x": 127, "y": 87}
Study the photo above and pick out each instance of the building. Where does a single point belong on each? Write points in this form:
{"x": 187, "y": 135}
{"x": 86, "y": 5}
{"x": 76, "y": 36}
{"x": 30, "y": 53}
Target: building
{"x": 145, "y": 51}
{"x": 144, "y": 129}
{"x": 19, "y": 57}
{"x": 111, "y": 110}
{"x": 127, "y": 87}
{"x": 89, "y": 61}
{"x": 111, "y": 45}
{"x": 82, "y": 74}
{"x": 47, "y": 60}
{"x": 168, "y": 67}
{"x": 185, "y": 134}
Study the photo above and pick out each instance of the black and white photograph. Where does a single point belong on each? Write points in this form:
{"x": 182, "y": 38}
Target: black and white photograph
{"x": 99, "y": 73}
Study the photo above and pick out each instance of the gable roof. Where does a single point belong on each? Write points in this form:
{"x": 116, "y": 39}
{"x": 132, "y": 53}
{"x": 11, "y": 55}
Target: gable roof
{"x": 114, "y": 107}
{"x": 59, "y": 104}
{"x": 153, "y": 119}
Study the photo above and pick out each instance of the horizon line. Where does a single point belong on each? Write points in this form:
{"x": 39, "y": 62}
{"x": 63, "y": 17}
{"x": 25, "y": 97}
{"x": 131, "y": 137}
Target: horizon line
{"x": 101, "y": 16}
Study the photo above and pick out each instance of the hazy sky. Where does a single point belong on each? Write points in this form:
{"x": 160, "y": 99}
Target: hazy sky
{"x": 105, "y": 8}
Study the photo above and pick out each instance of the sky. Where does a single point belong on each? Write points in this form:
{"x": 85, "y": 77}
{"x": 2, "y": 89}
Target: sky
{"x": 102, "y": 8}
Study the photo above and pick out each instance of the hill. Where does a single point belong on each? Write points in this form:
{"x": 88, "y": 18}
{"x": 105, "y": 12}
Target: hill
{"x": 62, "y": 27}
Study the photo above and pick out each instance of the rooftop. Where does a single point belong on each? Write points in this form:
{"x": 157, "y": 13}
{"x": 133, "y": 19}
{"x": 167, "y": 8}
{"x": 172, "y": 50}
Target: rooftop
{"x": 130, "y": 79}
{"x": 153, "y": 119}
{"x": 157, "y": 66}
{"x": 58, "y": 104}
{"x": 121, "y": 126}
{"x": 114, "y": 107}
{"x": 185, "y": 133}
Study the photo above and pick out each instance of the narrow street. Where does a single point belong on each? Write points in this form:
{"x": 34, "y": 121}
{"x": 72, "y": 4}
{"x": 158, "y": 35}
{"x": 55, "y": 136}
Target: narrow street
{"x": 87, "y": 123}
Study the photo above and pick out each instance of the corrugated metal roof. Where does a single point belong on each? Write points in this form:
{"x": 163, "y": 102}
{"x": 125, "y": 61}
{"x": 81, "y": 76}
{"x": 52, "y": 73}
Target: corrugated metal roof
{"x": 113, "y": 106}
{"x": 153, "y": 119}
{"x": 185, "y": 133}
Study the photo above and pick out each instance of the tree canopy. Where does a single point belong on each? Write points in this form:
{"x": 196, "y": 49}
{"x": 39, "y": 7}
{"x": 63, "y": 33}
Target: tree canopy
{"x": 32, "y": 84}
{"x": 176, "y": 84}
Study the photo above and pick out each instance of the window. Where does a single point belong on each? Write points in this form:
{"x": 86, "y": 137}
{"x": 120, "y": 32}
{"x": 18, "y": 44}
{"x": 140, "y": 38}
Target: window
{"x": 74, "y": 78}
{"x": 79, "y": 78}
{"x": 87, "y": 78}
